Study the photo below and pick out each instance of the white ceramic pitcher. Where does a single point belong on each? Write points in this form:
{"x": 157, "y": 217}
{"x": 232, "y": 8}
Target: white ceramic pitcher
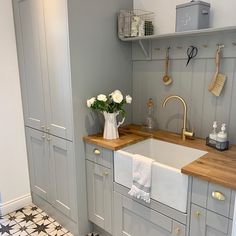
{"x": 111, "y": 126}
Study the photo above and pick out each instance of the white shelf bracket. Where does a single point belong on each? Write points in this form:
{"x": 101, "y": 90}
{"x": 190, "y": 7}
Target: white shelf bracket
{"x": 146, "y": 52}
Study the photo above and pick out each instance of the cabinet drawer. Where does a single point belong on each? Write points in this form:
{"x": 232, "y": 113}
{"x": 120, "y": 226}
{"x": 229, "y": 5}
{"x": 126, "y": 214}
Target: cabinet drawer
{"x": 219, "y": 199}
{"x": 212, "y": 196}
{"x": 99, "y": 155}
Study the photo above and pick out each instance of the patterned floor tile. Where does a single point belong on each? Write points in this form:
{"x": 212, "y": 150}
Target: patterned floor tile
{"x": 40, "y": 227}
{"x": 32, "y": 208}
{"x": 21, "y": 232}
{"x": 30, "y": 220}
{"x": 8, "y": 228}
{"x": 16, "y": 216}
{"x": 46, "y": 217}
{"x": 59, "y": 230}
{"x": 57, "y": 233}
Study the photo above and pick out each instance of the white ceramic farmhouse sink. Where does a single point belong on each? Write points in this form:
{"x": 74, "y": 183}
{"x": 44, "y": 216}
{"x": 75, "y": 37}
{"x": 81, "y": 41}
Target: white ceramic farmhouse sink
{"x": 169, "y": 185}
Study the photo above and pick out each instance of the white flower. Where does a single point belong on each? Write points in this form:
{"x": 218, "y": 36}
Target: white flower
{"x": 128, "y": 99}
{"x": 91, "y": 101}
{"x": 117, "y": 96}
{"x": 102, "y": 97}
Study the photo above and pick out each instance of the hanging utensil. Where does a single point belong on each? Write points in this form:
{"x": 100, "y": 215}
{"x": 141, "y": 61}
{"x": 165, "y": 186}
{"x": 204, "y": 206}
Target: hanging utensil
{"x": 218, "y": 80}
{"x": 191, "y": 53}
{"x": 166, "y": 78}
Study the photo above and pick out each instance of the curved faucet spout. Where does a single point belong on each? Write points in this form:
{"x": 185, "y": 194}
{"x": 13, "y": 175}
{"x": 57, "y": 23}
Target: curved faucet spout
{"x": 184, "y": 130}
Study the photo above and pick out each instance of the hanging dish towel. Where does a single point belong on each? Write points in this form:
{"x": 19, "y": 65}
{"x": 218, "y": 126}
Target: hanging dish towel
{"x": 142, "y": 172}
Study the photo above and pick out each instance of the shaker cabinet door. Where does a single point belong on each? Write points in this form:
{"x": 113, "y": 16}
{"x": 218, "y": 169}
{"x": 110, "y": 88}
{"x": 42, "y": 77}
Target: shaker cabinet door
{"x": 29, "y": 24}
{"x": 207, "y": 223}
{"x": 59, "y": 97}
{"x": 63, "y": 177}
{"x": 38, "y": 156}
{"x": 99, "y": 193}
{"x": 44, "y": 62}
{"x": 198, "y": 221}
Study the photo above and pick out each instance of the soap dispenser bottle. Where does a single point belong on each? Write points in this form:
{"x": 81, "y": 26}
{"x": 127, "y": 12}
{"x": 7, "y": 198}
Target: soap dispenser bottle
{"x": 222, "y": 142}
{"x": 213, "y": 135}
{"x": 150, "y": 114}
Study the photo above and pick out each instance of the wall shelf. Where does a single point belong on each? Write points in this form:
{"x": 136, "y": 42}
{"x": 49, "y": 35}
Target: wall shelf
{"x": 202, "y": 32}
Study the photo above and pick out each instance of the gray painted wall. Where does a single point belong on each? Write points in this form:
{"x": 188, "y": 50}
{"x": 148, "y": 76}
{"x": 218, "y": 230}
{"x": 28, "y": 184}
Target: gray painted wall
{"x": 100, "y": 63}
{"x": 191, "y": 83}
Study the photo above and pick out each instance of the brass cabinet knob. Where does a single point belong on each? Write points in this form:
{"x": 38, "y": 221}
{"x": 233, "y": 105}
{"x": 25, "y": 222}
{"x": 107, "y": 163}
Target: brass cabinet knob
{"x": 96, "y": 151}
{"x": 177, "y": 230}
{"x": 218, "y": 196}
{"x": 105, "y": 173}
{"x": 197, "y": 213}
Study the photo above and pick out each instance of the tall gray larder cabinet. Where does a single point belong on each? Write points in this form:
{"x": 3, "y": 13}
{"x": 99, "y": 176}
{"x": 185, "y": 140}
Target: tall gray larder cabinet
{"x": 62, "y": 63}
{"x": 44, "y": 63}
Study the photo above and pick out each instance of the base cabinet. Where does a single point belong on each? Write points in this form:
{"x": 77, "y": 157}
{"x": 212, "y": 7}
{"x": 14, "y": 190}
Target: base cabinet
{"x": 99, "y": 189}
{"x": 208, "y": 223}
{"x": 52, "y": 170}
{"x": 134, "y": 219}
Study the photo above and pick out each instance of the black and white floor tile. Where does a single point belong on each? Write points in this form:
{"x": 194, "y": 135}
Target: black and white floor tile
{"x": 30, "y": 220}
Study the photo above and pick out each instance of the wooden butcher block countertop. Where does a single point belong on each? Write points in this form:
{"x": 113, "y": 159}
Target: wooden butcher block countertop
{"x": 215, "y": 166}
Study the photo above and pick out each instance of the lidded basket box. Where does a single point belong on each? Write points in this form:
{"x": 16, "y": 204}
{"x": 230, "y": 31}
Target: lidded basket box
{"x": 192, "y": 16}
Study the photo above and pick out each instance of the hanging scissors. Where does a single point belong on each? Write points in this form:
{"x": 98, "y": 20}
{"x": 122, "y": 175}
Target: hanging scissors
{"x": 191, "y": 53}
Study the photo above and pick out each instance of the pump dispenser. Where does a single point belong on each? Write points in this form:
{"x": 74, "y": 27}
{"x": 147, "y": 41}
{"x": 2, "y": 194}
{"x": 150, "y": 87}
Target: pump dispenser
{"x": 222, "y": 135}
{"x": 222, "y": 143}
{"x": 213, "y": 135}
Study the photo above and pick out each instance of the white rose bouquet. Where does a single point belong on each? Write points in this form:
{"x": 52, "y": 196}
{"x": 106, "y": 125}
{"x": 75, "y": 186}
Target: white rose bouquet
{"x": 111, "y": 104}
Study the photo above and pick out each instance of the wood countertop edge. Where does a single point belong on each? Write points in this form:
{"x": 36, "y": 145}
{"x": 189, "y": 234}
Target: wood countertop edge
{"x": 107, "y": 144}
{"x": 217, "y": 167}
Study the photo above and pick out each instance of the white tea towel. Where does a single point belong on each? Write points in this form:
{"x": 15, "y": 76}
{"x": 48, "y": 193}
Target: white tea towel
{"x": 142, "y": 173}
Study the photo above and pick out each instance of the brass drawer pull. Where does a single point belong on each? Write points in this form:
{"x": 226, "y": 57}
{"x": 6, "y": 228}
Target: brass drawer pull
{"x": 96, "y": 151}
{"x": 218, "y": 196}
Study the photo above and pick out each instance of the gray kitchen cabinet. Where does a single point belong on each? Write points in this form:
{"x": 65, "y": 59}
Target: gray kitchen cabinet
{"x": 134, "y": 219}
{"x": 99, "y": 192}
{"x": 39, "y": 167}
{"x": 207, "y": 223}
{"x": 63, "y": 177}
{"x": 206, "y": 194}
{"x": 211, "y": 209}
{"x": 52, "y": 172}
{"x": 32, "y": 60}
{"x": 44, "y": 64}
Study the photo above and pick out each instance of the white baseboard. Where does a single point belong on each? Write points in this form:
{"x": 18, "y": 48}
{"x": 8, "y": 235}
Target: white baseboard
{"x": 15, "y": 204}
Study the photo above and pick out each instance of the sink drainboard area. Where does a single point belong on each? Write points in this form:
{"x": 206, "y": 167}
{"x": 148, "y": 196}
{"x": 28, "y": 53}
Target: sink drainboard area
{"x": 169, "y": 185}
